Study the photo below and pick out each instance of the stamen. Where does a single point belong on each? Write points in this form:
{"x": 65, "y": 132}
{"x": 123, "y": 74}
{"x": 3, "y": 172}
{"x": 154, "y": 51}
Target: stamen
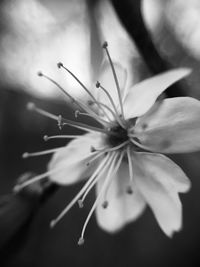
{"x": 114, "y": 172}
{"x": 98, "y": 154}
{"x": 94, "y": 116}
{"x": 60, "y": 122}
{"x": 46, "y": 137}
{"x": 105, "y": 184}
{"x": 139, "y": 145}
{"x": 110, "y": 158}
{"x": 40, "y": 153}
{"x": 80, "y": 203}
{"x": 106, "y": 107}
{"x": 98, "y": 85}
{"x": 63, "y": 121}
{"x": 105, "y": 149}
{"x": 129, "y": 188}
{"x": 32, "y": 107}
{"x": 81, "y": 241}
{"x": 73, "y": 100}
{"x": 77, "y": 197}
{"x": 86, "y": 127}
{"x": 105, "y": 45}
{"x": 92, "y": 149}
{"x": 105, "y": 204}
{"x": 19, "y": 187}
{"x": 76, "y": 113}
{"x": 60, "y": 65}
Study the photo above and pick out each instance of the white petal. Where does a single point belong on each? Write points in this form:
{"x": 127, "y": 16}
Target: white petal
{"x": 174, "y": 127}
{"x": 72, "y": 159}
{"x": 143, "y": 95}
{"x": 122, "y": 208}
{"x": 106, "y": 79}
{"x": 159, "y": 181}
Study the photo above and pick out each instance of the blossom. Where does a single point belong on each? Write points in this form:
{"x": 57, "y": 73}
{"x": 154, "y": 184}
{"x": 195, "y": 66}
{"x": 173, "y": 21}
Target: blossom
{"x": 124, "y": 157}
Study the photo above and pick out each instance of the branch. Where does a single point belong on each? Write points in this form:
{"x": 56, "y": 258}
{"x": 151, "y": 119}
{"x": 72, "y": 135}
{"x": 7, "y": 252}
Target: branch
{"x": 129, "y": 12}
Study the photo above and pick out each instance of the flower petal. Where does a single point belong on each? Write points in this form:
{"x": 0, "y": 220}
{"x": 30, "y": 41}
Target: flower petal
{"x": 174, "y": 127}
{"x": 159, "y": 180}
{"x": 71, "y": 160}
{"x": 143, "y": 95}
{"x": 106, "y": 79}
{"x": 122, "y": 208}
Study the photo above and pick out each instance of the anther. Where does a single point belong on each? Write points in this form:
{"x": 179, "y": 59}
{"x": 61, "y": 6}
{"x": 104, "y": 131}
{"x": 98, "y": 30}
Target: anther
{"x": 25, "y": 155}
{"x": 45, "y": 137}
{"x": 105, "y": 204}
{"x": 60, "y": 124}
{"x": 39, "y": 73}
{"x": 80, "y": 204}
{"x": 90, "y": 102}
{"x": 76, "y": 113}
{"x": 93, "y": 149}
{"x": 60, "y": 64}
{"x": 52, "y": 223}
{"x": 16, "y": 188}
{"x": 105, "y": 45}
{"x": 81, "y": 241}
{"x": 129, "y": 190}
{"x": 30, "y": 106}
{"x": 98, "y": 84}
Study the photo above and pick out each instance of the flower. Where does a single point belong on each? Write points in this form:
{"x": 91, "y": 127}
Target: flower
{"x": 123, "y": 157}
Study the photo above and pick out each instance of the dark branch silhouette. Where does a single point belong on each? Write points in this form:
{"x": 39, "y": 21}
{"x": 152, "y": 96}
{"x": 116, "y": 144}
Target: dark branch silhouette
{"x": 129, "y": 12}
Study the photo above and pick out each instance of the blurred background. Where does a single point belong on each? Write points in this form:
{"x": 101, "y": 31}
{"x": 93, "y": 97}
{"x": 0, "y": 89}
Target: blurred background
{"x": 35, "y": 35}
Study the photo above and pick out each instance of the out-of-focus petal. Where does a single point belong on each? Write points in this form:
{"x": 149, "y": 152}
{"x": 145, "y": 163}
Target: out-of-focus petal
{"x": 174, "y": 127}
{"x": 159, "y": 180}
{"x": 71, "y": 161}
{"x": 122, "y": 208}
{"x": 143, "y": 95}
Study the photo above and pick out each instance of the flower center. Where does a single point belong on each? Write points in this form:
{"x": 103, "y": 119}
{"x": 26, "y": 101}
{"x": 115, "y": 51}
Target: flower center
{"x": 120, "y": 137}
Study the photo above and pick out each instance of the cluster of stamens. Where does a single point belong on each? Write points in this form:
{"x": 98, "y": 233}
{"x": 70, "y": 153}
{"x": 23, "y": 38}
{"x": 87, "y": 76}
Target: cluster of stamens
{"x": 115, "y": 130}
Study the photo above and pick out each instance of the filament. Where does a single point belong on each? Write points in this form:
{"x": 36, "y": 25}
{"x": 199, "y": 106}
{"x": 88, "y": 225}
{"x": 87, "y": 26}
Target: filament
{"x": 96, "y": 117}
{"x": 76, "y": 198}
{"x": 18, "y": 187}
{"x": 106, "y": 150}
{"x": 105, "y": 45}
{"x": 60, "y": 65}
{"x": 98, "y": 85}
{"x": 109, "y": 109}
{"x": 97, "y": 177}
{"x": 40, "y": 153}
{"x": 107, "y": 179}
{"x": 46, "y": 137}
{"x": 130, "y": 166}
{"x": 73, "y": 100}
{"x": 139, "y": 145}
{"x": 63, "y": 121}
{"x": 114, "y": 172}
